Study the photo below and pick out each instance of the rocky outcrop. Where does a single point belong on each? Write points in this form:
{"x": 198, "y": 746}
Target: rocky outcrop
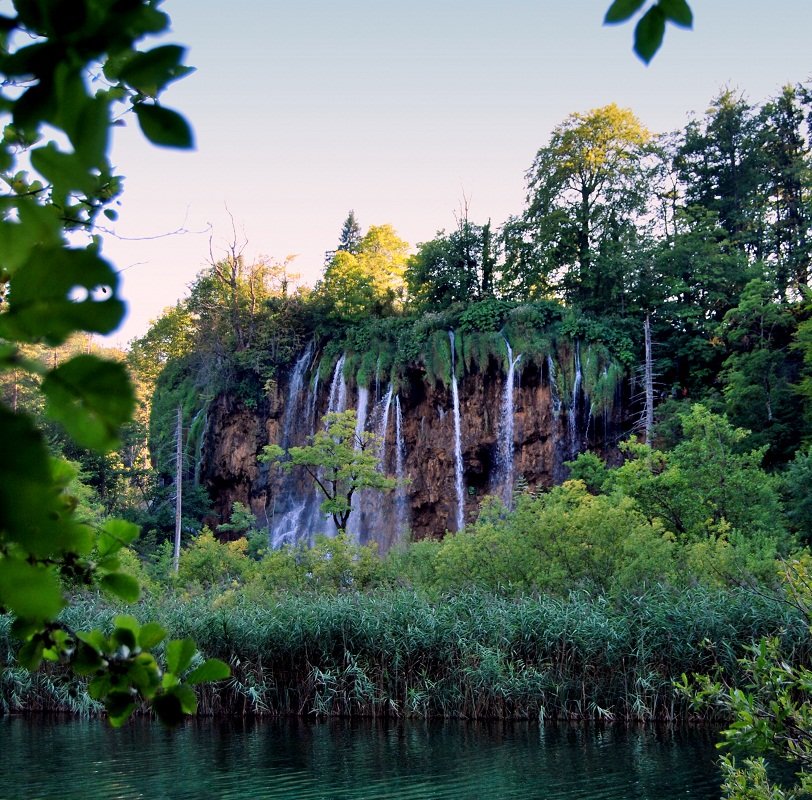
{"x": 547, "y": 431}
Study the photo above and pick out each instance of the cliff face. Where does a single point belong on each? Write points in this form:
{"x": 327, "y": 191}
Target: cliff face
{"x": 417, "y": 424}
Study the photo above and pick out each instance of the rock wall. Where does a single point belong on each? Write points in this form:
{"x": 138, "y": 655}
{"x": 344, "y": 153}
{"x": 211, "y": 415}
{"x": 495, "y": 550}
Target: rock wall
{"x": 546, "y": 433}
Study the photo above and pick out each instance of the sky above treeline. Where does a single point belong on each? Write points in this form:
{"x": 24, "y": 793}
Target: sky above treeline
{"x": 305, "y": 110}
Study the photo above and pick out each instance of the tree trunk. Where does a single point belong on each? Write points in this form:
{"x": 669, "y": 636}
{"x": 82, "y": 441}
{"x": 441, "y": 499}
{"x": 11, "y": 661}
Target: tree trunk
{"x": 178, "y": 487}
{"x": 649, "y": 381}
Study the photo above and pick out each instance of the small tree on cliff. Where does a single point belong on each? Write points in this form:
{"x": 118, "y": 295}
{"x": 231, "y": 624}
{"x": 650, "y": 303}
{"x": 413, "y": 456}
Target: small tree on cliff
{"x": 340, "y": 460}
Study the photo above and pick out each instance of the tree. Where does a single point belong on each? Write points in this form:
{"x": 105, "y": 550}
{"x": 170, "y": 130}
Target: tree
{"x": 720, "y": 164}
{"x": 758, "y": 372}
{"x": 586, "y": 189}
{"x": 350, "y": 238}
{"x": 52, "y": 288}
{"x": 707, "y": 485}
{"x": 339, "y": 460}
{"x": 787, "y": 165}
{"x": 453, "y": 268}
{"x": 370, "y": 281}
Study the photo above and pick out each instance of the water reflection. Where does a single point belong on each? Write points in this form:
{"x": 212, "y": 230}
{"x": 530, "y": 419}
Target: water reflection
{"x": 351, "y": 760}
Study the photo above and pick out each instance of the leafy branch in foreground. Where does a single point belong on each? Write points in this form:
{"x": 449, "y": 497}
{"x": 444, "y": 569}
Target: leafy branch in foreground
{"x": 650, "y": 28}
{"x": 772, "y": 714}
{"x": 71, "y": 73}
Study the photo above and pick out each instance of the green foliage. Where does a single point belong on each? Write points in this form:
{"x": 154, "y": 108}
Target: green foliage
{"x": 472, "y": 654}
{"x": 52, "y": 288}
{"x": 368, "y": 280}
{"x": 704, "y": 480}
{"x": 557, "y": 541}
{"x": 773, "y": 717}
{"x": 485, "y": 316}
{"x": 650, "y": 28}
{"x": 209, "y": 563}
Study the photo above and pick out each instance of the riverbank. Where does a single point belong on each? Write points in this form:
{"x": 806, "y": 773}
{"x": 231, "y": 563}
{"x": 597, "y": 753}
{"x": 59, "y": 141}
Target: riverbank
{"x": 474, "y": 655}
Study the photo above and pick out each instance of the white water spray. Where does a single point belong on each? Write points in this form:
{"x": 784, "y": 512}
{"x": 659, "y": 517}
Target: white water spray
{"x": 458, "y": 470}
{"x": 504, "y": 457}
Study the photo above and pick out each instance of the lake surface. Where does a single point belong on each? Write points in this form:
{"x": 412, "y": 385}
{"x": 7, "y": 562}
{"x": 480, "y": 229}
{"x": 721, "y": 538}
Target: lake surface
{"x": 350, "y": 760}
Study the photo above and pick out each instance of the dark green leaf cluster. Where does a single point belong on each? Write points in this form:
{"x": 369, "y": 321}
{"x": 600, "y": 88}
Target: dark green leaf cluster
{"x": 52, "y": 289}
{"x": 650, "y": 29}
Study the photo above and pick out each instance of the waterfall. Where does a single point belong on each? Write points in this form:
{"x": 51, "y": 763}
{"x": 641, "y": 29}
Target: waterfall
{"x": 312, "y": 396}
{"x": 555, "y": 395}
{"x": 504, "y": 456}
{"x": 572, "y": 414}
{"x": 384, "y": 424}
{"x": 338, "y": 388}
{"x": 458, "y": 473}
{"x": 555, "y": 402}
{"x": 401, "y": 509}
{"x": 355, "y": 521}
{"x": 287, "y": 517}
{"x": 295, "y": 391}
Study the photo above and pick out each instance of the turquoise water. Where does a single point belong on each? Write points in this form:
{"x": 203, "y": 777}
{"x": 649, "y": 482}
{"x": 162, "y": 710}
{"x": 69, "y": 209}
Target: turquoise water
{"x": 348, "y": 760}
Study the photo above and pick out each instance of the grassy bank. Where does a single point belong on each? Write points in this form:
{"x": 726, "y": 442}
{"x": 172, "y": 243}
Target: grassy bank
{"x": 475, "y": 655}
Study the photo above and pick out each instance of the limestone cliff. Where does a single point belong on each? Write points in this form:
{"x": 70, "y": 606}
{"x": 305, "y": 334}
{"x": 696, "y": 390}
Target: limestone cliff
{"x": 553, "y": 418}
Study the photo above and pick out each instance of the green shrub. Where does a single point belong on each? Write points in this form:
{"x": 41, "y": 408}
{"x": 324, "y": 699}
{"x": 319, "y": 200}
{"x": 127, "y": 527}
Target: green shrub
{"x": 209, "y": 563}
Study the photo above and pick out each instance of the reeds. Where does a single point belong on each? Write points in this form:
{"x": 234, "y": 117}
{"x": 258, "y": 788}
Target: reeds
{"x": 471, "y": 655}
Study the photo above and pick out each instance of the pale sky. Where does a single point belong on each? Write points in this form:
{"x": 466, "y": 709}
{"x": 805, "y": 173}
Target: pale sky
{"x": 304, "y": 110}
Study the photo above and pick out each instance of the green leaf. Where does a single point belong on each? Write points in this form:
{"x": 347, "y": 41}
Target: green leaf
{"x": 86, "y": 660}
{"x": 29, "y": 513}
{"x": 678, "y": 12}
{"x": 42, "y": 302}
{"x": 164, "y": 127}
{"x": 127, "y": 622}
{"x": 150, "y": 72}
{"x": 151, "y": 634}
{"x": 29, "y": 655}
{"x": 168, "y": 708}
{"x": 125, "y": 587}
{"x": 621, "y": 10}
{"x": 92, "y": 398}
{"x": 115, "y": 534}
{"x": 29, "y": 590}
{"x": 65, "y": 171}
{"x": 179, "y": 654}
{"x": 648, "y": 35}
{"x": 119, "y": 706}
{"x": 186, "y": 695}
{"x": 212, "y": 669}
{"x": 95, "y": 638}
{"x": 93, "y": 133}
{"x": 99, "y": 686}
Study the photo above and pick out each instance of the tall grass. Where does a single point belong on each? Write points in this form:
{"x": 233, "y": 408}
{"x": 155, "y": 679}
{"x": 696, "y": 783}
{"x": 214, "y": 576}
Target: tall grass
{"x": 472, "y": 655}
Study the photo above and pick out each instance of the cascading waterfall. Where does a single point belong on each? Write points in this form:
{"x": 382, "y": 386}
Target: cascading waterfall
{"x": 458, "y": 469}
{"x": 355, "y": 522}
{"x": 504, "y": 456}
{"x": 555, "y": 402}
{"x": 337, "y": 400}
{"x": 401, "y": 505}
{"x": 384, "y": 424}
{"x": 295, "y": 391}
{"x": 312, "y": 396}
{"x": 572, "y": 414}
{"x": 286, "y": 519}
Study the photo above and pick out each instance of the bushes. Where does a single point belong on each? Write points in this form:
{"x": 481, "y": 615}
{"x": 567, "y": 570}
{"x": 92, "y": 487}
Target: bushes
{"x": 555, "y": 542}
